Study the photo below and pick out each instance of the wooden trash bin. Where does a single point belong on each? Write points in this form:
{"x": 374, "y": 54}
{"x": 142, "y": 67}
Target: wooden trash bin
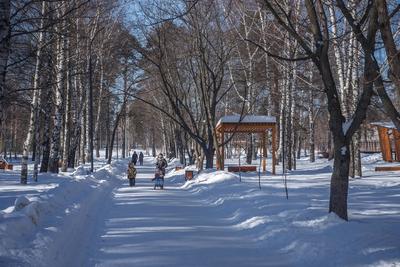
{"x": 189, "y": 175}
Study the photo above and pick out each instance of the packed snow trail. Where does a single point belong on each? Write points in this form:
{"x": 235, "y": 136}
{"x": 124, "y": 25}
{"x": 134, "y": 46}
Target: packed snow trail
{"x": 170, "y": 227}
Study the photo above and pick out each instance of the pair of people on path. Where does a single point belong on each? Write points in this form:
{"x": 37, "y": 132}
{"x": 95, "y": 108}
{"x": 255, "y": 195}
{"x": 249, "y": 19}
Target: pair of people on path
{"x": 161, "y": 165}
{"x": 135, "y": 158}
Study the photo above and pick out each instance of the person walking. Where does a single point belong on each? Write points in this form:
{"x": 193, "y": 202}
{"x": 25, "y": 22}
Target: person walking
{"x": 134, "y": 157}
{"x": 161, "y": 163}
{"x": 141, "y": 156}
{"x": 159, "y": 179}
{"x": 131, "y": 174}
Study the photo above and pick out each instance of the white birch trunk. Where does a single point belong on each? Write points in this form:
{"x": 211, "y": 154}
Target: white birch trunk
{"x": 99, "y": 107}
{"x": 87, "y": 121}
{"x": 68, "y": 111}
{"x": 311, "y": 122}
{"x": 59, "y": 100}
{"x": 33, "y": 130}
{"x": 337, "y": 53}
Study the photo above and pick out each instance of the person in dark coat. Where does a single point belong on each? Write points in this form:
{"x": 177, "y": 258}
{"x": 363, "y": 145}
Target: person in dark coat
{"x": 134, "y": 157}
{"x": 141, "y": 156}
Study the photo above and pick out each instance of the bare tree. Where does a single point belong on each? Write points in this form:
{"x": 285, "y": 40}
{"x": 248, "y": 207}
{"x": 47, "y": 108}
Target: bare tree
{"x": 342, "y": 129}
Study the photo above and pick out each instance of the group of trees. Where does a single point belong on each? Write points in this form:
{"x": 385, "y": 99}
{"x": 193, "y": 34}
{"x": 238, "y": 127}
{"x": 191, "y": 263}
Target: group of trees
{"x": 77, "y": 72}
{"x": 301, "y": 61}
{"x": 68, "y": 67}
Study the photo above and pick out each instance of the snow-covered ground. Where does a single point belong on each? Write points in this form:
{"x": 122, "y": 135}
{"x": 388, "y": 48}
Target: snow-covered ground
{"x": 213, "y": 220}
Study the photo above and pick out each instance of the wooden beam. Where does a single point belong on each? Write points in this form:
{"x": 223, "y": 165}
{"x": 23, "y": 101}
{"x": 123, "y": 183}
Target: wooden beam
{"x": 273, "y": 149}
{"x": 218, "y": 160}
{"x": 396, "y": 136}
{"x": 385, "y": 144}
{"x": 264, "y": 152}
{"x": 222, "y": 150}
{"x": 387, "y": 168}
{"x": 242, "y": 168}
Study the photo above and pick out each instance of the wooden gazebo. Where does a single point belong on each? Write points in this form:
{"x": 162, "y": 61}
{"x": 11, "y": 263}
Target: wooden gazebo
{"x": 388, "y": 135}
{"x": 248, "y": 124}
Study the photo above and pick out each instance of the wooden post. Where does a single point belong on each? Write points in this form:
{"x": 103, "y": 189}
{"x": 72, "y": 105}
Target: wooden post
{"x": 222, "y": 150}
{"x": 385, "y": 144}
{"x": 218, "y": 160}
{"x": 273, "y": 148}
{"x": 264, "y": 151}
{"x": 396, "y": 136}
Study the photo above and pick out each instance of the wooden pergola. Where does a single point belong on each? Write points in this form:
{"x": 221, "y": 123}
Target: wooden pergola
{"x": 386, "y": 132}
{"x": 248, "y": 124}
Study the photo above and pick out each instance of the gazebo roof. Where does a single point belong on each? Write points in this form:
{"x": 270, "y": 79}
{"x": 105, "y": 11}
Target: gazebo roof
{"x": 246, "y": 124}
{"x": 384, "y": 124}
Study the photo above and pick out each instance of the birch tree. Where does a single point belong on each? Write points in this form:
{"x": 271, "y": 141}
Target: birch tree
{"x": 59, "y": 93}
{"x": 33, "y": 130}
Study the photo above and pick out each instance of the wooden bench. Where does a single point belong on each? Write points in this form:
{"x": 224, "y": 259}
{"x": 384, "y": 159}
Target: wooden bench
{"x": 177, "y": 168}
{"x": 387, "y": 168}
{"x": 242, "y": 169}
{"x": 4, "y": 165}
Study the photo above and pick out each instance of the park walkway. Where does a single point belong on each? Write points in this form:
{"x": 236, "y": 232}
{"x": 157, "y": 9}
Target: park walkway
{"x": 139, "y": 226}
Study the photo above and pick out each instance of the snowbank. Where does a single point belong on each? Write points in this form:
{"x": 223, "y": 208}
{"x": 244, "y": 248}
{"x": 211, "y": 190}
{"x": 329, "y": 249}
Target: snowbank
{"x": 29, "y": 228}
{"x": 208, "y": 177}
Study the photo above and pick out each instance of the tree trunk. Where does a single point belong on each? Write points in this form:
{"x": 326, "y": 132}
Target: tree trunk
{"x": 76, "y": 128}
{"x": 249, "y": 152}
{"x": 58, "y": 118}
{"x": 392, "y": 52}
{"x": 107, "y": 129}
{"x": 33, "y": 131}
{"x": 99, "y": 108}
{"x": 299, "y": 146}
{"x": 339, "y": 180}
{"x": 153, "y": 142}
{"x": 68, "y": 113}
{"x": 209, "y": 155}
{"x": 124, "y": 137}
{"x": 83, "y": 130}
{"x": 338, "y": 56}
{"x": 116, "y": 124}
{"x": 357, "y": 154}
{"x": 5, "y": 47}
{"x": 47, "y": 109}
{"x": 110, "y": 149}
{"x": 90, "y": 103}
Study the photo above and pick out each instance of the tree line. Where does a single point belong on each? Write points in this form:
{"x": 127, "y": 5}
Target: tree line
{"x": 78, "y": 76}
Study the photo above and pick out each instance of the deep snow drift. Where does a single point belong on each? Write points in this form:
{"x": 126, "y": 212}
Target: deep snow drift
{"x": 75, "y": 219}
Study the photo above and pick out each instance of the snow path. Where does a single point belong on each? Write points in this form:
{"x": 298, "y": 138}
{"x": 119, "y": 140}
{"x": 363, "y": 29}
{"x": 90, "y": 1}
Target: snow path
{"x": 146, "y": 227}
{"x": 214, "y": 220}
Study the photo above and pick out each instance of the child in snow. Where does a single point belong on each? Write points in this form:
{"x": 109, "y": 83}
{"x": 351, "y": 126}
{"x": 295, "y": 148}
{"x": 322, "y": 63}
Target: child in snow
{"x": 131, "y": 173}
{"x": 159, "y": 179}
